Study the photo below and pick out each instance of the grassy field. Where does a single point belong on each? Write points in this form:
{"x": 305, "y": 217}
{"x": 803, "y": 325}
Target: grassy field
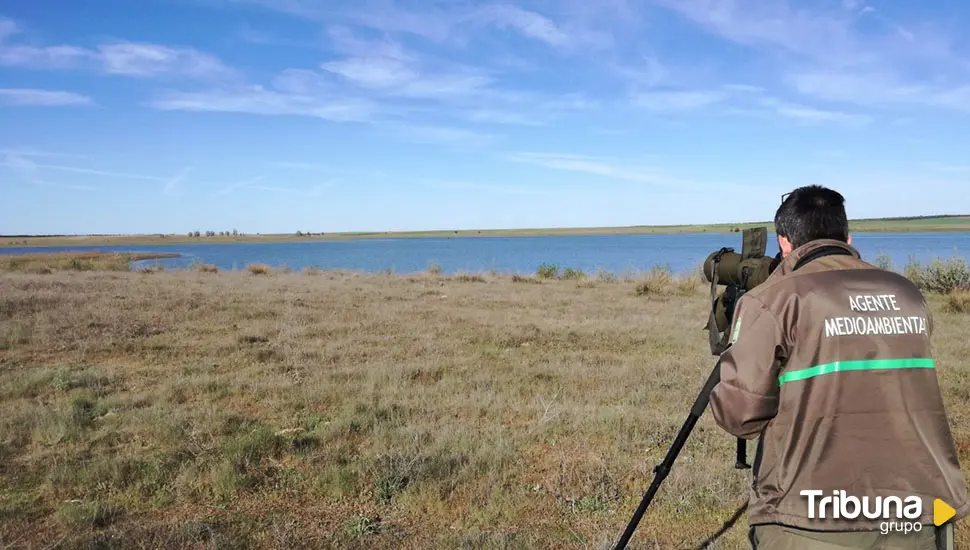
{"x": 932, "y": 224}
{"x": 338, "y": 410}
{"x": 45, "y": 262}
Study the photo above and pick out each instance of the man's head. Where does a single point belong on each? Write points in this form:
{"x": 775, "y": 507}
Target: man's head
{"x": 808, "y": 214}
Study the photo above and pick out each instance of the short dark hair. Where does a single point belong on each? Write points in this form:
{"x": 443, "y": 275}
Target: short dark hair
{"x": 811, "y": 213}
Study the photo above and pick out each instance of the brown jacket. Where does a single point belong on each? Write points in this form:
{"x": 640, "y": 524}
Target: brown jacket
{"x": 831, "y": 365}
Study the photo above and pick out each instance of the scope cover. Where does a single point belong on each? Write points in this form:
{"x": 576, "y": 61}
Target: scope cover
{"x": 754, "y": 243}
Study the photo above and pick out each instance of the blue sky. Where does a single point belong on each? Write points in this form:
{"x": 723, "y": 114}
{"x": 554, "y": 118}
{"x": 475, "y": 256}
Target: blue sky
{"x": 330, "y": 115}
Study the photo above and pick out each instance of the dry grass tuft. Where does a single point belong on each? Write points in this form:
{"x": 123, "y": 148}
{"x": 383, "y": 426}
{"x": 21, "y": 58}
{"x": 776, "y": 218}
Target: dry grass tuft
{"x": 516, "y": 278}
{"x": 468, "y": 278}
{"x": 259, "y": 269}
{"x": 207, "y": 268}
{"x": 348, "y": 410}
{"x": 661, "y": 281}
{"x": 958, "y": 301}
{"x": 149, "y": 269}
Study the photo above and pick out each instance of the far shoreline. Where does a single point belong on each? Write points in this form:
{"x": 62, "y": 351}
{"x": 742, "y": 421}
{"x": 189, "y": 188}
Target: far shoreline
{"x": 936, "y": 224}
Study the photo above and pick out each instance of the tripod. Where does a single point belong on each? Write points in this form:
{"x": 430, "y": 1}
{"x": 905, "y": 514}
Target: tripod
{"x": 663, "y": 469}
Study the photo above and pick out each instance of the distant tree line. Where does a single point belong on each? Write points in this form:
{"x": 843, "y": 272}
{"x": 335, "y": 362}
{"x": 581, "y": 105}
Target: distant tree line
{"x": 234, "y": 233}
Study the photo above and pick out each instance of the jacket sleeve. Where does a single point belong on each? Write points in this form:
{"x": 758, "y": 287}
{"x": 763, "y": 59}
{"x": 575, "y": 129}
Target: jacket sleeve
{"x": 746, "y": 397}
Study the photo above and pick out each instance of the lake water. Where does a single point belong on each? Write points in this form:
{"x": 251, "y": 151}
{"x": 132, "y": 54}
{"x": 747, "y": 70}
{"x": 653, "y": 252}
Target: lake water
{"x": 616, "y": 253}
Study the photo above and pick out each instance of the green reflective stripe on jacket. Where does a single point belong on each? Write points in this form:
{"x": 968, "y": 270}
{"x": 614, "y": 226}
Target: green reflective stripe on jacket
{"x": 841, "y": 366}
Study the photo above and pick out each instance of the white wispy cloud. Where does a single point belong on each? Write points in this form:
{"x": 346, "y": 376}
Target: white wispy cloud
{"x": 26, "y": 165}
{"x": 261, "y": 101}
{"x": 254, "y": 184}
{"x": 398, "y": 77}
{"x": 881, "y": 90}
{"x": 949, "y": 168}
{"x": 153, "y": 60}
{"x": 301, "y": 82}
{"x": 387, "y": 71}
{"x": 431, "y": 23}
{"x": 490, "y": 188}
{"x": 30, "y": 97}
{"x": 812, "y": 115}
{"x": 232, "y": 187}
{"x": 497, "y": 116}
{"x": 41, "y": 57}
{"x": 666, "y": 101}
{"x": 312, "y": 191}
{"x": 385, "y": 67}
{"x": 439, "y": 135}
{"x": 125, "y": 58}
{"x": 461, "y": 23}
{"x": 8, "y": 27}
{"x": 380, "y": 81}
{"x": 594, "y": 166}
{"x": 173, "y": 182}
{"x": 70, "y": 186}
{"x": 21, "y": 163}
{"x": 528, "y": 23}
{"x": 815, "y": 34}
{"x": 26, "y": 152}
{"x": 302, "y": 8}
{"x": 742, "y": 99}
{"x": 623, "y": 170}
{"x": 327, "y": 169}
{"x": 300, "y": 165}
{"x": 825, "y": 55}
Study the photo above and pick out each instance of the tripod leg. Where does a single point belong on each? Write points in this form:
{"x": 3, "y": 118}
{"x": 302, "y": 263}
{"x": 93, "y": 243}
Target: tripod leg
{"x": 662, "y": 469}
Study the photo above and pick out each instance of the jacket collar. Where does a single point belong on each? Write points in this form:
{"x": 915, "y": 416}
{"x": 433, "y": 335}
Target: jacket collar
{"x": 787, "y": 265}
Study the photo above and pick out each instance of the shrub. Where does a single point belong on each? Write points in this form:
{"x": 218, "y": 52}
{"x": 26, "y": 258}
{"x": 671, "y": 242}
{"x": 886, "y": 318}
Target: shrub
{"x": 547, "y": 271}
{"x": 606, "y": 276}
{"x": 939, "y": 277}
{"x": 914, "y": 272}
{"x": 884, "y": 261}
{"x": 466, "y": 278}
{"x": 958, "y": 301}
{"x": 207, "y": 268}
{"x": 573, "y": 274}
{"x": 434, "y": 269}
{"x": 258, "y": 269}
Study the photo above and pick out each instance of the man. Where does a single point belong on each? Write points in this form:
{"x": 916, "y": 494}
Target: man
{"x": 830, "y": 366}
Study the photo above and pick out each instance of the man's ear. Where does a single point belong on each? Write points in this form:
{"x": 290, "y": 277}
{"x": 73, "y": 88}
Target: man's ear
{"x": 785, "y": 245}
{"x": 849, "y": 240}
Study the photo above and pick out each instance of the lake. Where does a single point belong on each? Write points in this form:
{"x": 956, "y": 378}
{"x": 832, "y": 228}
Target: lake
{"x": 616, "y": 253}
